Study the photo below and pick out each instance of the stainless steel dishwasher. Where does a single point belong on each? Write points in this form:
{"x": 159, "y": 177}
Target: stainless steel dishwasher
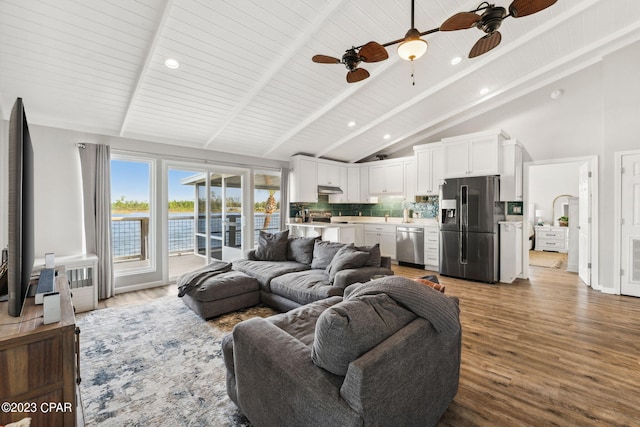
{"x": 410, "y": 244}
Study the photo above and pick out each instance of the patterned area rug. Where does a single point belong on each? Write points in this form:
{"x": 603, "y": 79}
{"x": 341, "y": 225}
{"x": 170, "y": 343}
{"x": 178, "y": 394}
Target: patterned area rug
{"x": 157, "y": 364}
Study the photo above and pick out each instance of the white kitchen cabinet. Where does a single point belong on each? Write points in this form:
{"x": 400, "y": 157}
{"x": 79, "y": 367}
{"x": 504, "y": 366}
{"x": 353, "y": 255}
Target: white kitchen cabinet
{"x": 473, "y": 155}
{"x": 353, "y": 185}
{"x": 383, "y": 234}
{"x": 329, "y": 173}
{"x": 364, "y": 184}
{"x": 511, "y": 176}
{"x": 510, "y": 251}
{"x": 343, "y": 184}
{"x": 429, "y": 169}
{"x": 386, "y": 178}
{"x": 303, "y": 180}
{"x": 410, "y": 180}
{"x": 555, "y": 239}
{"x": 432, "y": 247}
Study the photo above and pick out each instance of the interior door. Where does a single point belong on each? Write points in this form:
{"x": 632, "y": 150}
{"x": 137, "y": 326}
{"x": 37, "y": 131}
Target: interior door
{"x": 584, "y": 227}
{"x": 630, "y": 227}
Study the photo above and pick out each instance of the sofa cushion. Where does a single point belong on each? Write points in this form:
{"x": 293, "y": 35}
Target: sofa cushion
{"x": 323, "y": 253}
{"x": 375, "y": 257}
{"x": 272, "y": 246}
{"x": 300, "y": 322}
{"x": 300, "y": 249}
{"x": 349, "y": 329}
{"x": 346, "y": 257}
{"x": 264, "y": 271}
{"x": 304, "y": 287}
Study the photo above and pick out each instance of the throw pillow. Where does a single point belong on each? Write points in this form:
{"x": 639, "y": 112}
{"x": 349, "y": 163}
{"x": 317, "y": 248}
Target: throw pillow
{"x": 323, "y": 253}
{"x": 346, "y": 257}
{"x": 436, "y": 286}
{"x": 351, "y": 328}
{"x": 374, "y": 255}
{"x": 272, "y": 246}
{"x": 300, "y": 249}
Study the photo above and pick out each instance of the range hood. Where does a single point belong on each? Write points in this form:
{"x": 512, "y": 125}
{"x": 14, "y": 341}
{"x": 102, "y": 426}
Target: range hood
{"x": 327, "y": 189}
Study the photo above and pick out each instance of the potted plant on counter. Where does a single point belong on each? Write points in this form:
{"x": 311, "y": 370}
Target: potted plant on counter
{"x": 563, "y": 221}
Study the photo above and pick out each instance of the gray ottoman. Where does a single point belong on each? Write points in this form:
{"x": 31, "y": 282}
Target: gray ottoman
{"x": 222, "y": 294}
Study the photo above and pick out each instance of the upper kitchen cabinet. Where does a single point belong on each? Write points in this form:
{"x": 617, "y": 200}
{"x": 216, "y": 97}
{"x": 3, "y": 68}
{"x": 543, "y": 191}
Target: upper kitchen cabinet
{"x": 429, "y": 169}
{"x": 410, "y": 180}
{"x": 511, "y": 176}
{"x": 477, "y": 154}
{"x": 303, "y": 181}
{"x": 329, "y": 174}
{"x": 343, "y": 183}
{"x": 386, "y": 177}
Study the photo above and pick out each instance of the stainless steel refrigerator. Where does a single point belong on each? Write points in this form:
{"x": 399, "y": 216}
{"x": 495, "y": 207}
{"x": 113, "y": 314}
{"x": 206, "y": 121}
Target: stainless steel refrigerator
{"x": 470, "y": 209}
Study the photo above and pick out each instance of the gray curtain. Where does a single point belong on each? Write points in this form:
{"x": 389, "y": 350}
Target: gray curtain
{"x": 284, "y": 198}
{"x": 95, "y": 160}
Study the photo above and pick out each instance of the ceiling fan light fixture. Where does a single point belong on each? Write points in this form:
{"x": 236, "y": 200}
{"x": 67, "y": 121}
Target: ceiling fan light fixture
{"x": 413, "y": 47}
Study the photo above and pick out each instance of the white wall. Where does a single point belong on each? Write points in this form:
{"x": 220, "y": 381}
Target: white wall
{"x": 58, "y": 195}
{"x": 546, "y": 182}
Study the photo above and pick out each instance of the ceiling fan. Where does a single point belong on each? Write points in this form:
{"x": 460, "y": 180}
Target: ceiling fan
{"x": 411, "y": 47}
{"x": 490, "y": 19}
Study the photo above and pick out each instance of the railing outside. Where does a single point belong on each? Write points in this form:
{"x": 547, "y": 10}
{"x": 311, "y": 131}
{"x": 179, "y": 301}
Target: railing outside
{"x": 130, "y": 235}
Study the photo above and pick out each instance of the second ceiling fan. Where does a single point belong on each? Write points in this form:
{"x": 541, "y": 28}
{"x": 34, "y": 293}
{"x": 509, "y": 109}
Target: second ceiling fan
{"x": 412, "y": 46}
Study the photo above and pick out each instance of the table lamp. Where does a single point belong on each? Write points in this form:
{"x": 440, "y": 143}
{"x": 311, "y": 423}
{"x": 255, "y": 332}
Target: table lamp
{"x": 539, "y": 215}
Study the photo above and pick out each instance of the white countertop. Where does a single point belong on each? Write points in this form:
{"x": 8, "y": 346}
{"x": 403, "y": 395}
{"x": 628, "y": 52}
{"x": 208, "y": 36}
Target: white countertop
{"x": 350, "y": 221}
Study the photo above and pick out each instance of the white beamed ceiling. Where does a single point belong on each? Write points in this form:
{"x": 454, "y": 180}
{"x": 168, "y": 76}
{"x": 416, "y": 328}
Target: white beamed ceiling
{"x": 247, "y": 85}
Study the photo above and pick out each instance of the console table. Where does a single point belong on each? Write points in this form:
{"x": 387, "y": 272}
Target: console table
{"x": 39, "y": 363}
{"x": 549, "y": 238}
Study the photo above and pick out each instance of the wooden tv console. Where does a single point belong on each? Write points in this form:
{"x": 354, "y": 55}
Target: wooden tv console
{"x": 39, "y": 364}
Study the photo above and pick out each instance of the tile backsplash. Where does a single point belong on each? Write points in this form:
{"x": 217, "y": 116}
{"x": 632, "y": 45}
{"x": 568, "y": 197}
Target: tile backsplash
{"x": 391, "y": 206}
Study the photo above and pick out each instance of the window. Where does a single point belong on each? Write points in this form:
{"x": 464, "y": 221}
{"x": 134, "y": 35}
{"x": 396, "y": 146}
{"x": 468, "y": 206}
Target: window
{"x": 131, "y": 215}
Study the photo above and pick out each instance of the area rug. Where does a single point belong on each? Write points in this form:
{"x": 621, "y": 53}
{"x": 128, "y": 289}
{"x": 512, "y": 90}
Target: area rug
{"x": 156, "y": 364}
{"x": 547, "y": 259}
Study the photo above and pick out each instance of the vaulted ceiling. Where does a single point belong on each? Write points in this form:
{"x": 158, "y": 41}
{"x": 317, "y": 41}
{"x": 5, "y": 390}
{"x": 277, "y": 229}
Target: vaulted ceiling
{"x": 246, "y": 83}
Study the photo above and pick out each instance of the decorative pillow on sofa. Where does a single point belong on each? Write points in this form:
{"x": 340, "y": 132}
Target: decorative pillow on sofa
{"x": 374, "y": 254}
{"x": 434, "y": 285}
{"x": 346, "y": 257}
{"x": 349, "y": 329}
{"x": 323, "y": 253}
{"x": 272, "y": 246}
{"x": 300, "y": 249}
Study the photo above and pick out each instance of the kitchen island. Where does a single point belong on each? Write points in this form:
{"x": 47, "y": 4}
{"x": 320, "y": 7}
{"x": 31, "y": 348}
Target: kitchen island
{"x": 333, "y": 232}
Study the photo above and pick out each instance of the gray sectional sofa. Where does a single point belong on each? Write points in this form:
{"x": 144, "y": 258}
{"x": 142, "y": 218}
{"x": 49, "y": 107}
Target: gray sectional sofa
{"x": 294, "y": 271}
{"x": 385, "y": 354}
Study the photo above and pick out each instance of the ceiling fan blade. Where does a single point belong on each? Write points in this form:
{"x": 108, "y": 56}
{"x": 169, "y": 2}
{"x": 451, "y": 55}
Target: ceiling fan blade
{"x": 373, "y": 52}
{"x": 460, "y": 21}
{"x": 485, "y": 44}
{"x": 324, "y": 59}
{"x": 356, "y": 75}
{"x": 520, "y": 8}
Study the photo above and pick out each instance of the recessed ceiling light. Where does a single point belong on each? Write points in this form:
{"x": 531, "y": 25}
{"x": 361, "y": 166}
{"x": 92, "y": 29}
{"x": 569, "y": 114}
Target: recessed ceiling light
{"x": 557, "y": 94}
{"x": 387, "y": 136}
{"x": 351, "y": 124}
{"x": 484, "y": 91}
{"x": 456, "y": 60}
{"x": 171, "y": 63}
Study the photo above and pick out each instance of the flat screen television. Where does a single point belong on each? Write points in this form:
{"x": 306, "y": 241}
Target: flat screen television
{"x": 20, "y": 210}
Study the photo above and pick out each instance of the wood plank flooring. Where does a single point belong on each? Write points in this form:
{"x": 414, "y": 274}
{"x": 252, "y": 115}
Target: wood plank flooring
{"x": 548, "y": 351}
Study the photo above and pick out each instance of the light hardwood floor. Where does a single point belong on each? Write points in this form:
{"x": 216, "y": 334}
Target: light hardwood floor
{"x": 548, "y": 351}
